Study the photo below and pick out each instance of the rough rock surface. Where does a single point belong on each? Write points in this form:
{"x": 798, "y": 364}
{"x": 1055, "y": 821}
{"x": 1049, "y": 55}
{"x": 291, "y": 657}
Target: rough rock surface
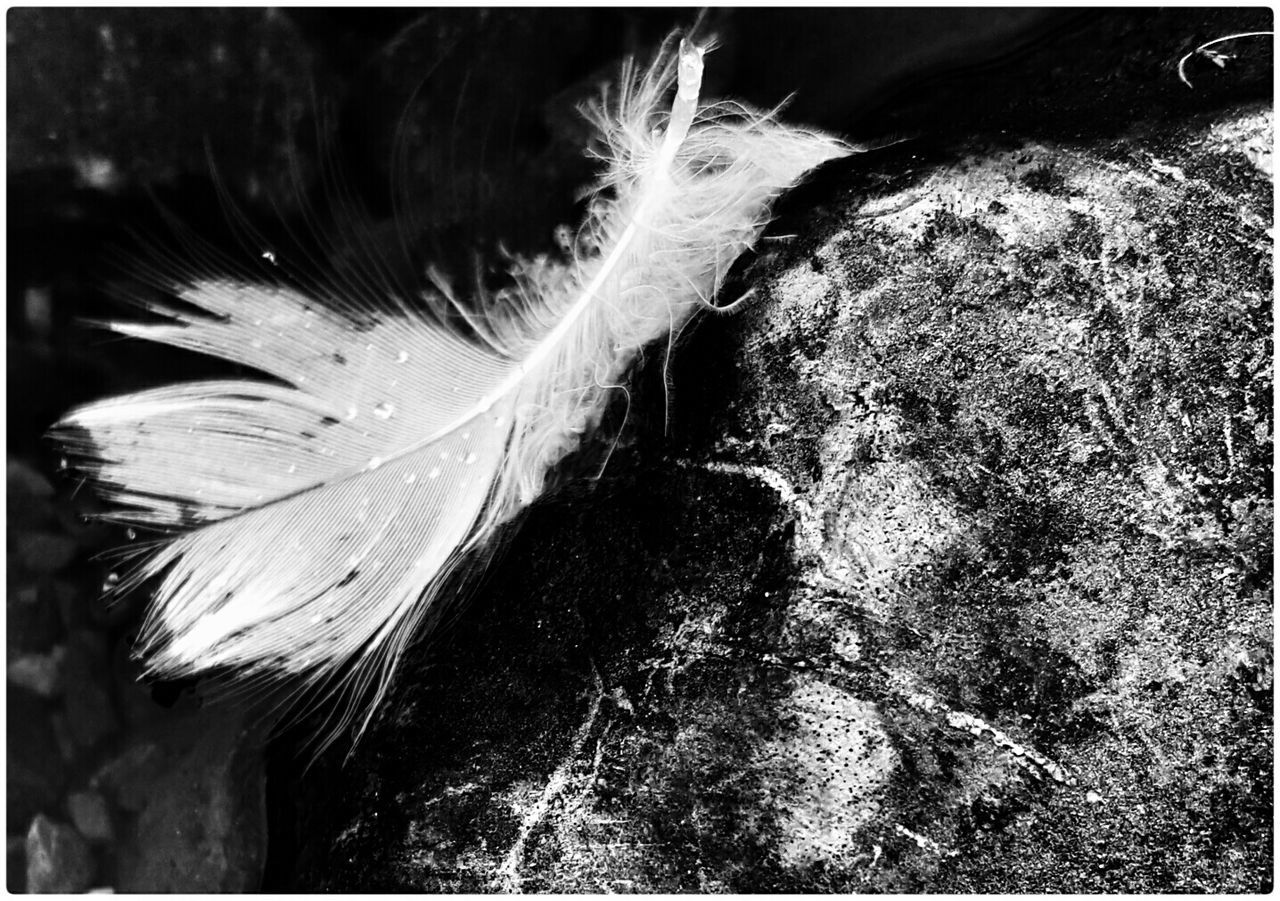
{"x": 963, "y": 583}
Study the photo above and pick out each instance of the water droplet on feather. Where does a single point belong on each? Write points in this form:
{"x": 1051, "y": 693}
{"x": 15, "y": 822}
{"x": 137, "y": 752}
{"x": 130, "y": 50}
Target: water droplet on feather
{"x": 384, "y": 410}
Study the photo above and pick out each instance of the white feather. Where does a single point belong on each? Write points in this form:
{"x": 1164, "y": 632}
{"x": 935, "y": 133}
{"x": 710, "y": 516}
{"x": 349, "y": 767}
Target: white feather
{"x": 330, "y": 512}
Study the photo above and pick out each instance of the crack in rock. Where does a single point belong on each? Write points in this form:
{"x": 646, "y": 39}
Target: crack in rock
{"x": 508, "y": 879}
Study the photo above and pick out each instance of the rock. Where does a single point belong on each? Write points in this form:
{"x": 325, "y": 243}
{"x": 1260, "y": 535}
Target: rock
{"x": 87, "y": 700}
{"x": 58, "y": 859}
{"x": 201, "y": 824}
{"x": 90, "y": 815}
{"x": 128, "y": 777}
{"x": 971, "y": 529}
{"x": 1012, "y": 526}
{"x": 40, "y": 674}
{"x": 34, "y": 773}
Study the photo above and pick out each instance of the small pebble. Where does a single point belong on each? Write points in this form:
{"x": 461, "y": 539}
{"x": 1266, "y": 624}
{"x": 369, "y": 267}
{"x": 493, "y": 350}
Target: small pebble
{"x": 130, "y": 776}
{"x": 90, "y": 815}
{"x": 58, "y": 858}
{"x": 38, "y": 673}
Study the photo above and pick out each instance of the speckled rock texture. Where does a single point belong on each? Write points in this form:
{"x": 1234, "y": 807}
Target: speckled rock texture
{"x": 959, "y": 577}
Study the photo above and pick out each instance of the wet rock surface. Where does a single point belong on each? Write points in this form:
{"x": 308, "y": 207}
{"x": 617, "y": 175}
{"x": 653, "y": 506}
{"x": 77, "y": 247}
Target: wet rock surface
{"x": 952, "y": 571}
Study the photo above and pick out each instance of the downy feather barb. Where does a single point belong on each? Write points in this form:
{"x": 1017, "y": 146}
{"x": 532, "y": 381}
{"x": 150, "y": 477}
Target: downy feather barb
{"x": 322, "y": 517}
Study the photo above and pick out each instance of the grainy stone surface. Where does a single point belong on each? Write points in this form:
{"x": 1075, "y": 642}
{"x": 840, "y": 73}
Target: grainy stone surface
{"x": 1023, "y": 399}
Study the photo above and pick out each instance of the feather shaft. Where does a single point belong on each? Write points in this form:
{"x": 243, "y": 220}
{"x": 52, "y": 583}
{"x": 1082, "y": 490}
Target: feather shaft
{"x": 328, "y": 517}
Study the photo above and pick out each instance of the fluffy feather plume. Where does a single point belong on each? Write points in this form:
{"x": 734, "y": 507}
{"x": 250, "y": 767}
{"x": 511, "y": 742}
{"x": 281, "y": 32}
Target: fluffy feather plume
{"x": 323, "y": 516}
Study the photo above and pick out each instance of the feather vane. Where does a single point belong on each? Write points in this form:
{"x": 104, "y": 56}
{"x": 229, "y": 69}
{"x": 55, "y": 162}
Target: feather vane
{"x": 325, "y": 512}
